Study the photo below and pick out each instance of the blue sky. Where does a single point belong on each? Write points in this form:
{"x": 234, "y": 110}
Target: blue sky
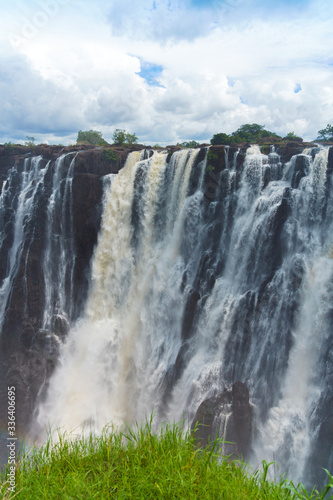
{"x": 167, "y": 70}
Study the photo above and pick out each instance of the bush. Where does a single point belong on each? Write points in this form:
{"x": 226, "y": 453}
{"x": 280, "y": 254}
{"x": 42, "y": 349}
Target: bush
{"x": 188, "y": 144}
{"x": 110, "y": 155}
{"x": 326, "y": 134}
{"x": 30, "y": 142}
{"x": 91, "y": 137}
{"x": 292, "y": 137}
{"x": 122, "y": 138}
{"x": 250, "y": 132}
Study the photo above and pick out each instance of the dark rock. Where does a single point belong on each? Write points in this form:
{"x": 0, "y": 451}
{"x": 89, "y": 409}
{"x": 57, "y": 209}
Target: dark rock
{"x": 206, "y": 424}
{"x": 330, "y": 160}
{"x": 189, "y": 313}
{"x": 229, "y": 416}
{"x": 60, "y": 325}
{"x": 301, "y": 170}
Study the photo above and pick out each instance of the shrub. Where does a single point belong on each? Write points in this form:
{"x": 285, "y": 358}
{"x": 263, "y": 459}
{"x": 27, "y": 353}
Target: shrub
{"x": 110, "y": 155}
{"x": 91, "y": 137}
{"x": 121, "y": 138}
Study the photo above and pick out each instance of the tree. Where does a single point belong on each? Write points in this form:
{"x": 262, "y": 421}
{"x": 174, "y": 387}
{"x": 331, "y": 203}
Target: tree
{"x": 121, "y": 137}
{"x": 91, "y": 137}
{"x": 130, "y": 139}
{"x": 188, "y": 144}
{"x": 30, "y": 142}
{"x": 252, "y": 132}
{"x": 326, "y": 134}
{"x": 291, "y": 136}
{"x": 221, "y": 138}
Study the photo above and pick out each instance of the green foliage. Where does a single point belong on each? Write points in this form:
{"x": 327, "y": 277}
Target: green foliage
{"x": 110, "y": 155}
{"x": 91, "y": 137}
{"x": 138, "y": 464}
{"x": 122, "y": 138}
{"x": 246, "y": 133}
{"x": 188, "y": 144}
{"x": 211, "y": 156}
{"x": 252, "y": 132}
{"x": 9, "y": 145}
{"x": 291, "y": 136}
{"x": 131, "y": 139}
{"x": 221, "y": 138}
{"x": 211, "y": 159}
{"x": 30, "y": 142}
{"x": 326, "y": 134}
{"x": 265, "y": 150}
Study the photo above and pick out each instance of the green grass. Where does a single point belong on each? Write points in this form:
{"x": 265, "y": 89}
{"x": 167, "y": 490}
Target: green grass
{"x": 138, "y": 464}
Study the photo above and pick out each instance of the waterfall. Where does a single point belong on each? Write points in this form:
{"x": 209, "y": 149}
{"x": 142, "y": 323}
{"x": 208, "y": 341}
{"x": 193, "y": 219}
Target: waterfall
{"x": 17, "y": 214}
{"x": 212, "y": 266}
{"x": 59, "y": 255}
{"x": 201, "y": 277}
{"x": 36, "y": 212}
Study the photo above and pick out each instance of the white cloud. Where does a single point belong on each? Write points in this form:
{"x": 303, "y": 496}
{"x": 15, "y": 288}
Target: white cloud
{"x": 80, "y": 70}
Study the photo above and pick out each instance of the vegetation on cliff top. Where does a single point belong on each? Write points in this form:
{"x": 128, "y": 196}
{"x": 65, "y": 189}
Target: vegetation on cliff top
{"x": 326, "y": 134}
{"x": 120, "y": 138}
{"x": 248, "y": 133}
{"x": 140, "y": 464}
{"x": 251, "y": 132}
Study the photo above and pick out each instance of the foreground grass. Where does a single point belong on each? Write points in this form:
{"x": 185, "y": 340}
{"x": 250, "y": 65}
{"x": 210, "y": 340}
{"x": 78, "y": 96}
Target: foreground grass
{"x": 141, "y": 465}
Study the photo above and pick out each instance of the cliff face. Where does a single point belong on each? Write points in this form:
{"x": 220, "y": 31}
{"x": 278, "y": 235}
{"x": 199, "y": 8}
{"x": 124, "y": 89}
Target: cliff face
{"x": 51, "y": 207}
{"x": 34, "y": 186}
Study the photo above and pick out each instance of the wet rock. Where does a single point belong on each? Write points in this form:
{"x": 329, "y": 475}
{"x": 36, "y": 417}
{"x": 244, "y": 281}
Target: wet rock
{"x": 229, "y": 416}
{"x": 330, "y": 160}
{"x": 301, "y": 170}
{"x": 60, "y": 325}
{"x": 189, "y": 313}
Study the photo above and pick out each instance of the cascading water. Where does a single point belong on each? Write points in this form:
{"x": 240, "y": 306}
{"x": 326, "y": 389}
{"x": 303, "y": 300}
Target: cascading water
{"x": 59, "y": 255}
{"x": 202, "y": 277}
{"x": 26, "y": 221}
{"x": 20, "y": 228}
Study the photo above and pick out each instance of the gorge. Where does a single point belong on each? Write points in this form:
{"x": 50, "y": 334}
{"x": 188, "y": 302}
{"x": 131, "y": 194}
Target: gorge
{"x": 191, "y": 284}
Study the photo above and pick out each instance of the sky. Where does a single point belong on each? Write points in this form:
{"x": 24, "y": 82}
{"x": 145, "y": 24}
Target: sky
{"x": 167, "y": 70}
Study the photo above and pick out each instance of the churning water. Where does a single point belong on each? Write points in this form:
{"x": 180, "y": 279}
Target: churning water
{"x": 200, "y": 279}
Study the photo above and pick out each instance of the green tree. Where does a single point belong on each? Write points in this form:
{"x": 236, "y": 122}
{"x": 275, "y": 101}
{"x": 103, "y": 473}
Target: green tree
{"x": 121, "y": 138}
{"x": 251, "y": 132}
{"x": 91, "y": 137}
{"x": 130, "y": 139}
{"x": 188, "y": 144}
{"x": 291, "y": 136}
{"x": 220, "y": 138}
{"x": 30, "y": 142}
{"x": 326, "y": 134}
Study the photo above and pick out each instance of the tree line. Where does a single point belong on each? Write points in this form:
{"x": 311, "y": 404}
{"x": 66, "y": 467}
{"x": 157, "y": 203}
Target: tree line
{"x": 254, "y": 133}
{"x": 250, "y": 132}
{"x": 120, "y": 138}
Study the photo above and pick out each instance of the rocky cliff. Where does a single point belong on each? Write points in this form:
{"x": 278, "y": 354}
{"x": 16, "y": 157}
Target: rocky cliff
{"x": 51, "y": 205}
{"x": 29, "y": 343}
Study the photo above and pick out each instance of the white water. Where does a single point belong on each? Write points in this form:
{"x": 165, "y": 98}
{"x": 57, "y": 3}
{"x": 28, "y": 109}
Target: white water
{"x": 260, "y": 258}
{"x": 32, "y": 182}
{"x": 59, "y": 255}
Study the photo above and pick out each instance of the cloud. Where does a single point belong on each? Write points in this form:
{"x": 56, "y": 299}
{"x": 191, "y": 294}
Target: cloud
{"x": 31, "y": 104}
{"x": 167, "y": 70}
